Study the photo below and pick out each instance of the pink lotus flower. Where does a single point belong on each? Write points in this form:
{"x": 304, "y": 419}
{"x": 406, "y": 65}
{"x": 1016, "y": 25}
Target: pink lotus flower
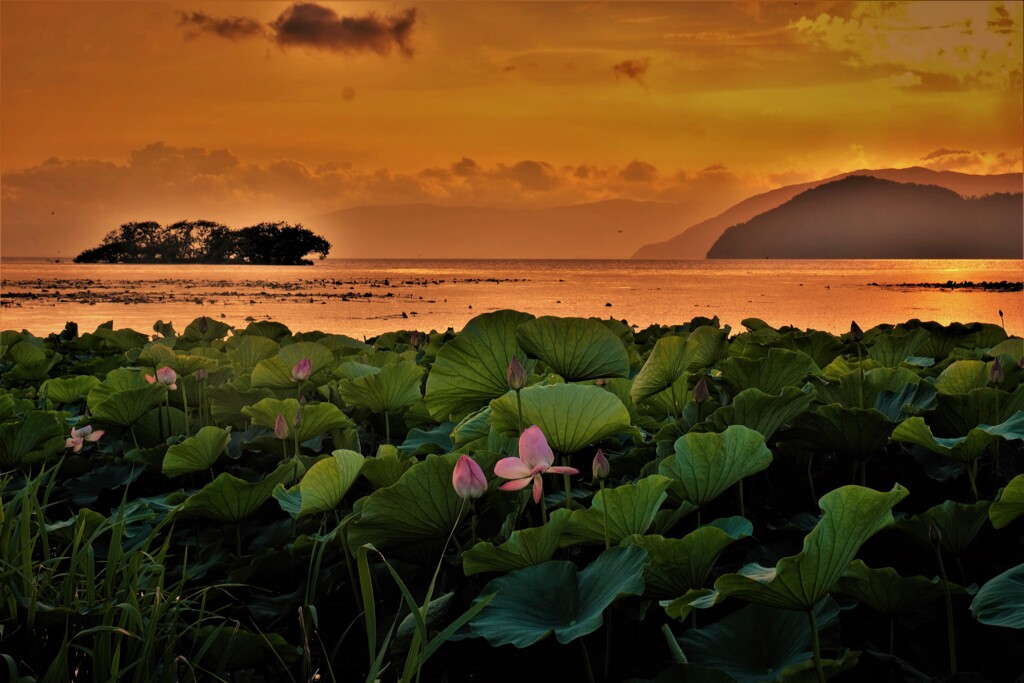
{"x": 165, "y": 376}
{"x": 601, "y": 467}
{"x": 535, "y": 459}
{"x": 80, "y": 436}
{"x": 468, "y": 479}
{"x": 300, "y": 371}
{"x": 281, "y": 430}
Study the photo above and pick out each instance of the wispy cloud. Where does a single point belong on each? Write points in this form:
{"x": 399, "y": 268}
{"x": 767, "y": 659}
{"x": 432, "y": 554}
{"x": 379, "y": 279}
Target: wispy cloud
{"x": 633, "y": 69}
{"x": 232, "y": 28}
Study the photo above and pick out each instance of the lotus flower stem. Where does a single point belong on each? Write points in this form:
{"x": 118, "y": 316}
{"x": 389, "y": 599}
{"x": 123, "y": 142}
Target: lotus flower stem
{"x": 238, "y": 540}
{"x": 972, "y": 475}
{"x": 568, "y": 485}
{"x": 387, "y": 426}
{"x": 543, "y": 505}
{"x": 950, "y": 629}
{"x": 184, "y": 400}
{"x": 607, "y": 537}
{"x": 519, "y": 406}
{"x": 817, "y": 645}
{"x": 134, "y": 438}
{"x": 472, "y": 522}
{"x": 860, "y": 384}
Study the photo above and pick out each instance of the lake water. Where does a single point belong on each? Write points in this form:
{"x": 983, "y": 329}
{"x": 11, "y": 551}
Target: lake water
{"x": 367, "y": 297}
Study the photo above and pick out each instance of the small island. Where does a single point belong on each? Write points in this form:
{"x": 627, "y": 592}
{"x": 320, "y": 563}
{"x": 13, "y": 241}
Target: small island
{"x": 269, "y": 244}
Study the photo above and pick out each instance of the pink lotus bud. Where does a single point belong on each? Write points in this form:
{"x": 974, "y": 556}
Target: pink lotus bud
{"x": 468, "y": 479}
{"x": 297, "y": 420}
{"x": 856, "y": 332}
{"x": 300, "y": 371}
{"x": 516, "y": 374}
{"x": 601, "y": 468}
{"x": 995, "y": 372}
{"x": 700, "y": 391}
{"x": 414, "y": 340}
{"x": 165, "y": 376}
{"x": 281, "y": 427}
{"x": 203, "y": 325}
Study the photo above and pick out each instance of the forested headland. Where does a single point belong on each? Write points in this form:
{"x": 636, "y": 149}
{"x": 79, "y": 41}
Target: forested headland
{"x": 275, "y": 244}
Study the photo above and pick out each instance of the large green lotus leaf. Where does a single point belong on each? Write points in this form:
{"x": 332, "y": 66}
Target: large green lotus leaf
{"x": 850, "y": 516}
{"x": 392, "y": 389}
{"x": 116, "y": 380}
{"x": 847, "y": 432}
{"x": 703, "y": 466}
{"x": 157, "y": 354}
{"x": 957, "y": 414}
{"x": 1010, "y": 504}
{"x": 575, "y": 348}
{"x": 760, "y": 411}
{"x": 230, "y": 499}
{"x": 885, "y": 591}
{"x": 524, "y": 548}
{"x": 196, "y": 453}
{"x": 473, "y": 427}
{"x": 215, "y": 329}
{"x": 572, "y": 416}
{"x": 682, "y": 564}
{"x": 185, "y": 365}
{"x": 424, "y": 441}
{"x": 958, "y": 523}
{"x": 317, "y": 418}
{"x": 326, "y": 483}
{"x": 780, "y": 368}
{"x": 420, "y": 509}
{"x": 554, "y": 597}
{"x": 757, "y": 644}
{"x": 227, "y": 402}
{"x": 387, "y": 467}
{"x": 1000, "y": 602}
{"x": 673, "y": 358}
{"x": 1013, "y": 347}
{"x": 850, "y": 391}
{"x": 31, "y": 364}
{"x": 38, "y": 436}
{"x": 125, "y": 408}
{"x": 68, "y": 389}
{"x": 265, "y": 328}
{"x": 154, "y": 428}
{"x": 962, "y": 376}
{"x": 822, "y": 347}
{"x": 894, "y": 348}
{"x": 276, "y": 372}
{"x": 352, "y": 370}
{"x": 470, "y": 370}
{"x": 121, "y": 340}
{"x": 249, "y": 351}
{"x": 630, "y": 510}
{"x": 911, "y": 399}
{"x": 962, "y": 448}
{"x": 840, "y": 367}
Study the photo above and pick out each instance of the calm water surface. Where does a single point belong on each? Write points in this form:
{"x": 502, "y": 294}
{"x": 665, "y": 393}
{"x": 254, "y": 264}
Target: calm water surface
{"x": 367, "y": 297}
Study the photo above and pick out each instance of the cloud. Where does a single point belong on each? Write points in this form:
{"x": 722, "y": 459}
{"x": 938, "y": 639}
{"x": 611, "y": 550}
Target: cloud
{"x": 907, "y": 79}
{"x": 232, "y": 28}
{"x": 638, "y": 172}
{"x": 942, "y": 152}
{"x": 307, "y": 24}
{"x": 971, "y": 161}
{"x": 311, "y": 25}
{"x": 633, "y": 69}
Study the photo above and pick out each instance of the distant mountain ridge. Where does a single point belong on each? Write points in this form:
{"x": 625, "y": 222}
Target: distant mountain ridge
{"x": 868, "y": 217}
{"x": 696, "y": 241}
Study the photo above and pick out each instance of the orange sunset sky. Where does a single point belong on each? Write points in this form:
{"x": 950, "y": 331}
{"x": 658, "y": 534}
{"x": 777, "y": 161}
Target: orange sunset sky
{"x": 248, "y": 111}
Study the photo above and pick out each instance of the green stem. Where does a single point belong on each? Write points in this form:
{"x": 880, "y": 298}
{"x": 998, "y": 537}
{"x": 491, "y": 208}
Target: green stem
{"x": 950, "y": 629}
{"x": 568, "y": 485}
{"x": 817, "y": 645}
{"x": 184, "y": 400}
{"x": 586, "y": 662}
{"x": 519, "y": 406}
{"x": 743, "y": 508}
{"x": 134, "y": 438}
{"x": 472, "y": 522}
{"x": 972, "y": 475}
{"x": 860, "y": 385}
{"x": 604, "y": 510}
{"x": 543, "y": 505}
{"x": 387, "y": 426}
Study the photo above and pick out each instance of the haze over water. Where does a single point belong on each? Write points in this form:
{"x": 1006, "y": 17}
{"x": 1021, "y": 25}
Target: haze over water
{"x": 368, "y": 297}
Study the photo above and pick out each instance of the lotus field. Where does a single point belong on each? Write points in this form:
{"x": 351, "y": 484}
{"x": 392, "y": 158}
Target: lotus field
{"x": 566, "y": 499}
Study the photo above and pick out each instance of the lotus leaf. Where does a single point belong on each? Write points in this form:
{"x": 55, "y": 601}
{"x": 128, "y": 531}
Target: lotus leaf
{"x": 555, "y": 597}
{"x": 470, "y": 370}
{"x": 249, "y": 351}
{"x": 524, "y": 548}
{"x": 671, "y": 361}
{"x": 40, "y": 435}
{"x": 31, "y": 363}
{"x": 957, "y": 414}
{"x": 1013, "y": 347}
{"x": 758, "y": 644}
{"x": 892, "y": 349}
{"x": 962, "y": 448}
{"x": 1000, "y": 602}
{"x": 317, "y": 418}
{"x": 421, "y": 508}
{"x": 230, "y": 499}
{"x": 391, "y": 389}
{"x": 268, "y": 329}
{"x": 912, "y": 399}
{"x": 1010, "y": 504}
{"x": 387, "y": 467}
{"x": 125, "y": 408}
{"x": 681, "y": 564}
{"x": 779, "y": 369}
{"x": 326, "y": 483}
{"x": 473, "y": 427}
{"x": 228, "y": 401}
{"x": 850, "y": 515}
{"x": 848, "y": 432}
{"x": 576, "y": 348}
{"x": 572, "y": 416}
{"x": 761, "y": 412}
{"x": 630, "y": 509}
{"x": 958, "y": 524}
{"x": 703, "y": 466}
{"x": 154, "y": 428}
{"x": 68, "y": 389}
{"x": 276, "y": 372}
{"x": 215, "y": 329}
{"x": 885, "y": 591}
{"x": 962, "y": 376}
{"x": 841, "y": 367}
{"x": 822, "y": 347}
{"x": 851, "y": 391}
{"x": 196, "y": 453}
{"x": 116, "y": 380}
{"x": 121, "y": 340}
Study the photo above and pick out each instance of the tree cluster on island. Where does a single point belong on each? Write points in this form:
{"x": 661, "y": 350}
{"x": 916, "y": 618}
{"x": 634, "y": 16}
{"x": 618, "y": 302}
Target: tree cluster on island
{"x": 202, "y": 241}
